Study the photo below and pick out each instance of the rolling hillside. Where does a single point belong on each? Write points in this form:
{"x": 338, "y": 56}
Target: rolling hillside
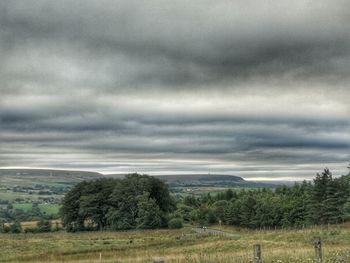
{"x": 31, "y": 177}
{"x": 66, "y": 178}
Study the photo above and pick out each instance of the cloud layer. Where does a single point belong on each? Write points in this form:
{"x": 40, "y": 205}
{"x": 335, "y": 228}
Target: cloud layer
{"x": 236, "y": 87}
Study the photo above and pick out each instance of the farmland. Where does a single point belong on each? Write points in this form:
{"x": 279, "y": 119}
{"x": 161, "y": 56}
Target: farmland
{"x": 23, "y": 188}
{"x": 269, "y": 214}
{"x": 51, "y": 209}
{"x": 183, "y": 245}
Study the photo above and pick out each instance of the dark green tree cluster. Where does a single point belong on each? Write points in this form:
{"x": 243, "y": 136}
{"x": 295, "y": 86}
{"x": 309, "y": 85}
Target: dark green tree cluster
{"x": 137, "y": 201}
{"x": 326, "y": 200}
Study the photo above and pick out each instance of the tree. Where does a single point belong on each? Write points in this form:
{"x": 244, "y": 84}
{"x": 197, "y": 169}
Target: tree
{"x": 219, "y": 208}
{"x": 125, "y": 198}
{"x": 117, "y": 204}
{"x": 211, "y": 217}
{"x": 86, "y": 205}
{"x": 183, "y": 211}
{"x": 94, "y": 205}
{"x": 69, "y": 211}
{"x": 332, "y": 203}
{"x": 318, "y": 196}
{"x": 346, "y": 211}
{"x": 247, "y": 208}
{"x": 192, "y": 201}
{"x": 229, "y": 194}
{"x": 148, "y": 213}
{"x": 231, "y": 214}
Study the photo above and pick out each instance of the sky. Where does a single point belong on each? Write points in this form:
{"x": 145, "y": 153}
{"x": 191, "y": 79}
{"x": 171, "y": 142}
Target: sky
{"x": 255, "y": 89}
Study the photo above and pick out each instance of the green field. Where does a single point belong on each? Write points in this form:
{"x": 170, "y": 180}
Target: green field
{"x": 178, "y": 246}
{"x": 49, "y": 209}
{"x": 24, "y": 207}
{"x": 11, "y": 196}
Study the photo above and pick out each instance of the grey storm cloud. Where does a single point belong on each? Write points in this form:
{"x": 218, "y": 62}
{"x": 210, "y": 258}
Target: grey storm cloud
{"x": 236, "y": 87}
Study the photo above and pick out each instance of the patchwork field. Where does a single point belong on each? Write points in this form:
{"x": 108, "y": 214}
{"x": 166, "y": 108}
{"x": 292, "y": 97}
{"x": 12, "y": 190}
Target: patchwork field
{"x": 21, "y": 188}
{"x": 50, "y": 209}
{"x": 176, "y": 246}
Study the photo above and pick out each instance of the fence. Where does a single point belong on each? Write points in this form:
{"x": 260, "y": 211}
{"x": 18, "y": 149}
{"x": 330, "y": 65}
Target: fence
{"x": 257, "y": 252}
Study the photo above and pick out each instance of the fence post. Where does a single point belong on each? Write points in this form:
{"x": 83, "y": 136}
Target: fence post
{"x": 159, "y": 260}
{"x": 318, "y": 249}
{"x": 257, "y": 253}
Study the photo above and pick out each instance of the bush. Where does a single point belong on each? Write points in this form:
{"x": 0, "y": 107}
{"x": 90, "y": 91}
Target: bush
{"x": 175, "y": 223}
{"x": 57, "y": 227}
{"x": 3, "y": 227}
{"x": 44, "y": 226}
{"x": 15, "y": 228}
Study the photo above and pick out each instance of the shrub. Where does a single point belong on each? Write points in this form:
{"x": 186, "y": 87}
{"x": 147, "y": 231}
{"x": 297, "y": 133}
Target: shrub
{"x": 16, "y": 227}
{"x": 175, "y": 223}
{"x": 44, "y": 226}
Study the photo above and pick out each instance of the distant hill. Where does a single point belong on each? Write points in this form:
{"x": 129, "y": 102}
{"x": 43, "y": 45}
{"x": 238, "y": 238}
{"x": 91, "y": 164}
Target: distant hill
{"x": 206, "y": 180}
{"x": 29, "y": 177}
{"x": 47, "y": 172}
{"x": 202, "y": 180}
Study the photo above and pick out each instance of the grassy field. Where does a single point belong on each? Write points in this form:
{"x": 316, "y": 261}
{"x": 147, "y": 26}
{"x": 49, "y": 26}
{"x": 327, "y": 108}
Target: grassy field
{"x": 49, "y": 209}
{"x": 24, "y": 207}
{"x": 176, "y": 246}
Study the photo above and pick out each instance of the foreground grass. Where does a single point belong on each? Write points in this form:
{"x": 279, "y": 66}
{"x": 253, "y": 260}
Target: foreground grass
{"x": 175, "y": 246}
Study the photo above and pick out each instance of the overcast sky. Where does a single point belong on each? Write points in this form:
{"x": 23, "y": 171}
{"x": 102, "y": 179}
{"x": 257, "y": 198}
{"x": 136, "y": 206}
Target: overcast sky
{"x": 258, "y": 89}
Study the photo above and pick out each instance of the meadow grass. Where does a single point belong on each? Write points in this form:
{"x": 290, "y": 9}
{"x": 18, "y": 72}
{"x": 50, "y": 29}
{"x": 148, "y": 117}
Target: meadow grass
{"x": 11, "y": 196}
{"x": 25, "y": 207}
{"x": 49, "y": 209}
{"x": 176, "y": 246}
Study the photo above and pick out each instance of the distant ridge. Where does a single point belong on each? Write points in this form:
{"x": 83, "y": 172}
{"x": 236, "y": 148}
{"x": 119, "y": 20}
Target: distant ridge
{"x": 202, "y": 180}
{"x": 29, "y": 177}
{"x": 206, "y": 180}
{"x": 43, "y": 172}
{"x": 71, "y": 177}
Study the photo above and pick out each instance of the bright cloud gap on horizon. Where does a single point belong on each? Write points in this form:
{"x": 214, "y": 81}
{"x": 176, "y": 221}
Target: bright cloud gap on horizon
{"x": 258, "y": 90}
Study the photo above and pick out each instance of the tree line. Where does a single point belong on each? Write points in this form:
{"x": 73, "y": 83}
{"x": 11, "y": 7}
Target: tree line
{"x": 324, "y": 201}
{"x": 144, "y": 202}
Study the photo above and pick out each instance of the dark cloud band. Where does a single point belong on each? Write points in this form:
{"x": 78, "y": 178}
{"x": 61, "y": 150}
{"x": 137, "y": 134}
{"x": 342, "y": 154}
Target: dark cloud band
{"x": 123, "y": 86}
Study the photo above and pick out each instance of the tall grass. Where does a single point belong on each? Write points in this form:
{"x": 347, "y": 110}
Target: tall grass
{"x": 176, "y": 246}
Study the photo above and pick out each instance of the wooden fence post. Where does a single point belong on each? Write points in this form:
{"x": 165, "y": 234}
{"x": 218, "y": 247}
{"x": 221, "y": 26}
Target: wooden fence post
{"x": 318, "y": 249}
{"x": 257, "y": 253}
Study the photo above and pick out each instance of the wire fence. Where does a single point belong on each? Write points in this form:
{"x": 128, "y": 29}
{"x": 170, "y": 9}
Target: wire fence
{"x": 256, "y": 255}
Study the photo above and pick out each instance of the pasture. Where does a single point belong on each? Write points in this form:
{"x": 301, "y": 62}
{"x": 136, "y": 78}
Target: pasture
{"x": 177, "y": 246}
{"x": 49, "y": 209}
